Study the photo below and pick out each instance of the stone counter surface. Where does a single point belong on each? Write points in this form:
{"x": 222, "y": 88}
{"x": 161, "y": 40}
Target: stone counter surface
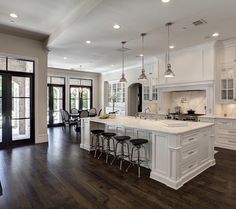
{"x": 153, "y": 125}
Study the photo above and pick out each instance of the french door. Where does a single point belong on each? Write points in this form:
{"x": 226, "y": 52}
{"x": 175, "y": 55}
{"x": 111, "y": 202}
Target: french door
{"x": 16, "y": 109}
{"x": 81, "y": 97}
{"x": 56, "y": 101}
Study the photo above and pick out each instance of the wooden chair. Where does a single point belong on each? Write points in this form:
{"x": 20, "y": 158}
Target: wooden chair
{"x": 68, "y": 120}
{"x": 74, "y": 111}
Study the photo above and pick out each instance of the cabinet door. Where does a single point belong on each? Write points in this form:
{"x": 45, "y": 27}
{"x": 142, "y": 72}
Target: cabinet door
{"x": 229, "y": 55}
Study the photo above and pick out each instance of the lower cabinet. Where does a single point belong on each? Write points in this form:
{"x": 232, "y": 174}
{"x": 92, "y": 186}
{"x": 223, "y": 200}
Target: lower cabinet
{"x": 225, "y": 132}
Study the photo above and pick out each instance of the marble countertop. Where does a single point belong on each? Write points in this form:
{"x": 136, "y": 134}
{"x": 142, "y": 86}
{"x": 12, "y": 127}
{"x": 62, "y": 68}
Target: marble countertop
{"x": 218, "y": 116}
{"x": 153, "y": 125}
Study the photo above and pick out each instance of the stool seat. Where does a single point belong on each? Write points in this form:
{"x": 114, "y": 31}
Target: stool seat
{"x": 97, "y": 131}
{"x": 108, "y": 134}
{"x": 122, "y": 138}
{"x": 137, "y": 142}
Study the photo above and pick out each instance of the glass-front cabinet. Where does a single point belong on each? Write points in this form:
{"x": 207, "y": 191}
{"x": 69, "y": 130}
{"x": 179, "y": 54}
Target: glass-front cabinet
{"x": 227, "y": 85}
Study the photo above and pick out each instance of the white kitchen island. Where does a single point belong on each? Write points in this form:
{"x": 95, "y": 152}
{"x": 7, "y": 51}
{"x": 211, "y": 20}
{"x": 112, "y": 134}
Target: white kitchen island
{"x": 177, "y": 151}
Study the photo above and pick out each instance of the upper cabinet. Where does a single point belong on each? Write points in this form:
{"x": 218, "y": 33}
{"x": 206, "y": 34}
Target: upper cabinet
{"x": 228, "y": 55}
{"x": 191, "y": 64}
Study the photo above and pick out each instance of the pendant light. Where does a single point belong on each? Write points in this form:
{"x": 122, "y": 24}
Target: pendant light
{"x": 123, "y": 79}
{"x": 168, "y": 73}
{"x": 143, "y": 76}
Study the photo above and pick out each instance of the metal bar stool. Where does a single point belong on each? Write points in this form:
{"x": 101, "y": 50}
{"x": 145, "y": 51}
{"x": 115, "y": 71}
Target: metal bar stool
{"x": 137, "y": 145}
{"x": 107, "y": 136}
{"x": 122, "y": 141}
{"x": 97, "y": 146}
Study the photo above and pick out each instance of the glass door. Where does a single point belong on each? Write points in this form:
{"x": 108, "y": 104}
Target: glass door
{"x": 16, "y": 109}
{"x": 56, "y": 102}
{"x": 80, "y": 97}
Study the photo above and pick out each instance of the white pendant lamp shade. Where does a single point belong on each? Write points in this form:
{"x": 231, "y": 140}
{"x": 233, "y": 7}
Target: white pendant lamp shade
{"x": 168, "y": 73}
{"x": 143, "y": 76}
{"x": 123, "y": 79}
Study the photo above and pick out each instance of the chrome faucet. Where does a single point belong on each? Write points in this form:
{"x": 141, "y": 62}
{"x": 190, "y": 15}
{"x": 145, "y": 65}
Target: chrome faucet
{"x": 145, "y": 112}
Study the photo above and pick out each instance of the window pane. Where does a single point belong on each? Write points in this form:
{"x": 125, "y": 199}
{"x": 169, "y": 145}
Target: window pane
{"x": 20, "y": 129}
{"x": 0, "y": 120}
{"x": 223, "y": 94}
{"x": 230, "y": 83}
{"x": 57, "y": 92}
{"x": 3, "y": 63}
{"x": 223, "y": 84}
{"x": 56, "y": 117}
{"x": 74, "y": 81}
{"x": 20, "y": 87}
{"x": 230, "y": 94}
{"x": 86, "y": 82}
{"x": 20, "y": 108}
{"x": 57, "y": 80}
{"x": 20, "y": 65}
{"x": 57, "y": 104}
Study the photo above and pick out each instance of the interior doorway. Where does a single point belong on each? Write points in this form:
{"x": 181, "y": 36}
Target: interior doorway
{"x": 134, "y": 99}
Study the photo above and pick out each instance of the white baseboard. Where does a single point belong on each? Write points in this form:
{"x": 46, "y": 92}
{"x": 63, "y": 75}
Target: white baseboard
{"x": 41, "y": 138}
{"x": 84, "y": 146}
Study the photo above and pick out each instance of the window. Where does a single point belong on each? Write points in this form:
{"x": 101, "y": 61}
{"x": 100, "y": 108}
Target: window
{"x": 154, "y": 93}
{"x": 116, "y": 89}
{"x": 56, "y": 80}
{"x": 146, "y": 91}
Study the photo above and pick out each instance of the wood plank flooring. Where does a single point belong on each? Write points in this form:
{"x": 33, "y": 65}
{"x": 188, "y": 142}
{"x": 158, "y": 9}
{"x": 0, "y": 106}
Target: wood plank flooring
{"x": 60, "y": 175}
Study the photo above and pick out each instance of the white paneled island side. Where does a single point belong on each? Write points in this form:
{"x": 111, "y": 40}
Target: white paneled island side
{"x": 177, "y": 151}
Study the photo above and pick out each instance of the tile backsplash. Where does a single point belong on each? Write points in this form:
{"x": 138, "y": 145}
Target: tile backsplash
{"x": 229, "y": 110}
{"x": 187, "y": 100}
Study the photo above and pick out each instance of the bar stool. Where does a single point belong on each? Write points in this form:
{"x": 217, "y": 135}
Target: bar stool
{"x": 137, "y": 145}
{"x": 108, "y": 136}
{"x": 96, "y": 134}
{"x": 122, "y": 141}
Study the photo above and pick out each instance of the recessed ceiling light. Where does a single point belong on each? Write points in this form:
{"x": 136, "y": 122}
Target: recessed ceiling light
{"x": 215, "y": 34}
{"x": 141, "y": 55}
{"x": 171, "y": 46}
{"x": 165, "y": 1}
{"x": 65, "y": 58}
{"x": 112, "y": 65}
{"x": 13, "y": 15}
{"x": 116, "y": 26}
{"x": 88, "y": 42}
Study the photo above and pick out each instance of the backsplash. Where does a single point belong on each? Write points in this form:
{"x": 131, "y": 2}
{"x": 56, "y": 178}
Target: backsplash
{"x": 229, "y": 110}
{"x": 187, "y": 100}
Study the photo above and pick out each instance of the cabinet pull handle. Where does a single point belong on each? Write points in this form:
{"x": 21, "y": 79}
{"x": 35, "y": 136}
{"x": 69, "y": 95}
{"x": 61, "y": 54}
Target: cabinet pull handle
{"x": 233, "y": 132}
{"x": 190, "y": 166}
{"x": 191, "y": 152}
{"x": 191, "y": 139}
{"x": 232, "y": 141}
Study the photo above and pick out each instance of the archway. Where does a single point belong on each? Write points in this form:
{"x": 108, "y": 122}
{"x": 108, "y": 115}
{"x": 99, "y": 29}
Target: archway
{"x": 134, "y": 99}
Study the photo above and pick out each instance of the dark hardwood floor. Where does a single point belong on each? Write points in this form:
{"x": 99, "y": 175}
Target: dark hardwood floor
{"x": 61, "y": 175}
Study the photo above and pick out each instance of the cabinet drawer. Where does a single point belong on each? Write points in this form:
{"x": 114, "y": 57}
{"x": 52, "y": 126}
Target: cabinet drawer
{"x": 189, "y": 165}
{"x": 226, "y": 139}
{"x": 224, "y": 123}
{"x": 230, "y": 132}
{"x": 189, "y": 151}
{"x": 189, "y": 139}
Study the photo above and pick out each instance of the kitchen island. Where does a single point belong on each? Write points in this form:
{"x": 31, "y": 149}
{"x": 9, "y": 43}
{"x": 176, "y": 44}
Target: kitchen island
{"x": 177, "y": 150}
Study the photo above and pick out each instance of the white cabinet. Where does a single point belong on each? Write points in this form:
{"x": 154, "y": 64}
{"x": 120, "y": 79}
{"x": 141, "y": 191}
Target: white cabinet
{"x": 227, "y": 84}
{"x": 225, "y": 132}
{"x": 228, "y": 55}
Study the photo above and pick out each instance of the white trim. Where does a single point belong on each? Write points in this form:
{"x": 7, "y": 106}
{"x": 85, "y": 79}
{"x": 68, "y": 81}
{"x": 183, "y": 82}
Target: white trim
{"x": 225, "y": 146}
{"x": 180, "y": 182}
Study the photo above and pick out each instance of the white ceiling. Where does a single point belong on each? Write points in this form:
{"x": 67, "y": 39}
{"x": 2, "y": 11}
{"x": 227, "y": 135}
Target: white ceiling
{"x": 69, "y": 23}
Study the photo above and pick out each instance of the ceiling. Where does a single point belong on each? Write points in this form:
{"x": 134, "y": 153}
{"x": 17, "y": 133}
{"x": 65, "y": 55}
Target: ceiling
{"x": 69, "y": 23}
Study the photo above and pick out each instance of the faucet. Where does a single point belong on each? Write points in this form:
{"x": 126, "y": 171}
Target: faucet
{"x": 145, "y": 112}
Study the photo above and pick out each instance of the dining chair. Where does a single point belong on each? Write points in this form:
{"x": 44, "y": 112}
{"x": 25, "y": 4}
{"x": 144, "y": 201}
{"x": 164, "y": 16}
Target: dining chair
{"x": 92, "y": 112}
{"x": 74, "y": 111}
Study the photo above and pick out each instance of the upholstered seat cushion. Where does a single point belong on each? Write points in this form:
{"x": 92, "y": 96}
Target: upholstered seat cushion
{"x": 137, "y": 142}
{"x": 97, "y": 131}
{"x": 108, "y": 134}
{"x": 122, "y": 138}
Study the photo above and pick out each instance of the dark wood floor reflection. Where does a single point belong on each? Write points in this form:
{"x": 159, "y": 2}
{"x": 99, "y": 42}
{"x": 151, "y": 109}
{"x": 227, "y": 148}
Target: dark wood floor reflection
{"x": 61, "y": 175}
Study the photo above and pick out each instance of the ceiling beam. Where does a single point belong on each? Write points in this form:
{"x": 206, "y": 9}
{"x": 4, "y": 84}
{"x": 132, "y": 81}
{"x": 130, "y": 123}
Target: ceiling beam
{"x": 81, "y": 10}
